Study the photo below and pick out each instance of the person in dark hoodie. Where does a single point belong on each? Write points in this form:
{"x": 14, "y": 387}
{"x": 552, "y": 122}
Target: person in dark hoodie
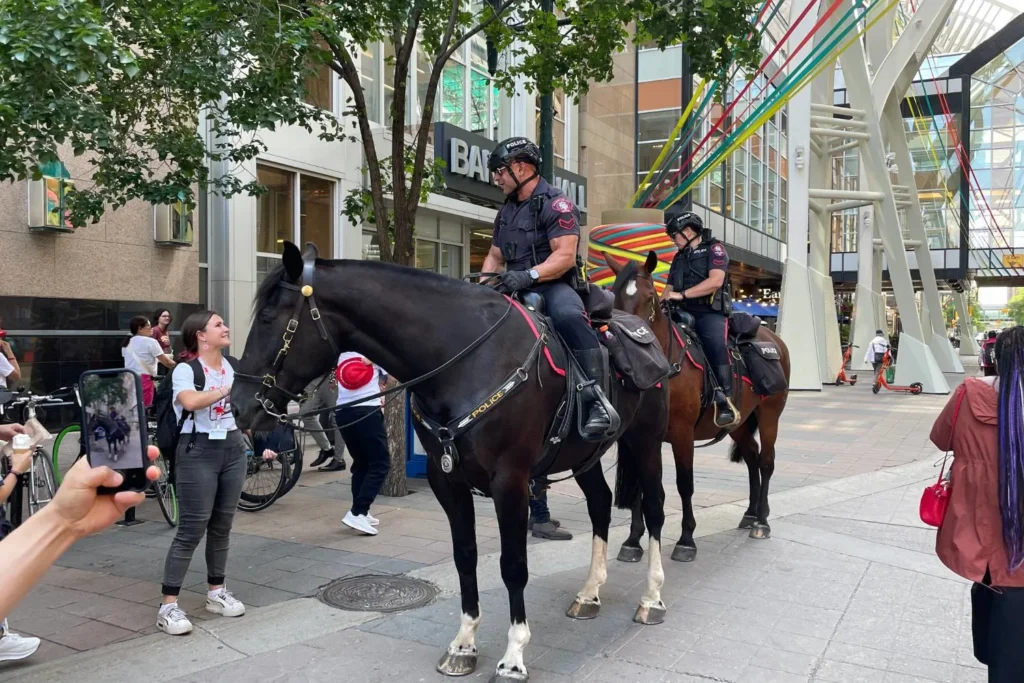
{"x": 982, "y": 535}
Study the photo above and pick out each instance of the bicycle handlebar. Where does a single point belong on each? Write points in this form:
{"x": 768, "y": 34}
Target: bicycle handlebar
{"x": 24, "y": 396}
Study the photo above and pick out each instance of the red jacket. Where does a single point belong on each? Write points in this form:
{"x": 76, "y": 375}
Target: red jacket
{"x": 971, "y": 537}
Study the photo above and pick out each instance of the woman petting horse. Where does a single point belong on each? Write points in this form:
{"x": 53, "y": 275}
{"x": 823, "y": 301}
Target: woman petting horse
{"x": 635, "y": 293}
{"x": 482, "y": 370}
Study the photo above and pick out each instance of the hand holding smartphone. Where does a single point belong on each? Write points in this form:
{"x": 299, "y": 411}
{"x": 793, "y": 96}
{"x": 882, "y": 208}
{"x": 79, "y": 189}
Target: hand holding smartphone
{"x": 114, "y": 425}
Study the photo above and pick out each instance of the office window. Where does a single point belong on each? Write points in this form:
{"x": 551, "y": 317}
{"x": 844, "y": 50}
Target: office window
{"x": 316, "y": 209}
{"x": 274, "y": 210}
{"x": 319, "y": 88}
{"x": 370, "y": 77}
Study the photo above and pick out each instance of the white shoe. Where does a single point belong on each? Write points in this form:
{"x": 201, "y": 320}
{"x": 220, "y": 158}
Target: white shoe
{"x": 172, "y": 620}
{"x": 373, "y": 520}
{"x": 359, "y": 523}
{"x": 14, "y": 647}
{"x": 224, "y": 603}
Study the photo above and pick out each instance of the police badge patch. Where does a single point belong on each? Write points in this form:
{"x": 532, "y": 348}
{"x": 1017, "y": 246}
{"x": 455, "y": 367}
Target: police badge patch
{"x": 562, "y": 205}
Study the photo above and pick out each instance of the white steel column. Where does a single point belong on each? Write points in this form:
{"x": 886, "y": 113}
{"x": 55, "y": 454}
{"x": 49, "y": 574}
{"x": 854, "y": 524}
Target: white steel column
{"x": 798, "y": 319}
{"x": 968, "y": 345}
{"x": 916, "y": 360}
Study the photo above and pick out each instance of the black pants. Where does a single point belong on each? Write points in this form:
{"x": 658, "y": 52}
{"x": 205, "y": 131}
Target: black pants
{"x": 367, "y": 442}
{"x": 997, "y": 622}
{"x": 713, "y": 330}
{"x": 565, "y": 308}
{"x": 539, "y": 511}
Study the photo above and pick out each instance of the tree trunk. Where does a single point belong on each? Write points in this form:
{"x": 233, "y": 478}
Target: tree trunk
{"x": 394, "y": 420}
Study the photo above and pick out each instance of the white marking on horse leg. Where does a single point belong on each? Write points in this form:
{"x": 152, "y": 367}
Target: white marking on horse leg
{"x": 655, "y": 576}
{"x": 631, "y": 288}
{"x": 512, "y": 663}
{"x": 598, "y": 572}
{"x": 465, "y": 642}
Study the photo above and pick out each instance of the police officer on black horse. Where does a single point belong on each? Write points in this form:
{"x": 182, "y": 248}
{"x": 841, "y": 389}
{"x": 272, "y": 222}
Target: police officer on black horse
{"x": 697, "y": 284}
{"x": 536, "y": 235}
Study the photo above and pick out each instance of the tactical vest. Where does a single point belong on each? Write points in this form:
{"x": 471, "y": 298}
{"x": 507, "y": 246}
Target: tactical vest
{"x": 693, "y": 264}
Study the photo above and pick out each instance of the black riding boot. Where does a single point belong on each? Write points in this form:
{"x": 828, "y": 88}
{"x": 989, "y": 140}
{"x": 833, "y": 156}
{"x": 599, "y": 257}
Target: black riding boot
{"x": 726, "y": 414}
{"x": 599, "y": 420}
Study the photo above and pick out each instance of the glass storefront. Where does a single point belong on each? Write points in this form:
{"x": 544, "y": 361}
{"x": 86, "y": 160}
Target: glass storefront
{"x": 445, "y": 245}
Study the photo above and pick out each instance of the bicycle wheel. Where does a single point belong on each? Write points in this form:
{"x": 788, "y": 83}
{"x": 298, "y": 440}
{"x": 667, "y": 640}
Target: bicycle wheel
{"x": 41, "y": 481}
{"x": 264, "y": 480}
{"x": 66, "y": 449}
{"x": 165, "y": 493}
{"x": 294, "y": 458}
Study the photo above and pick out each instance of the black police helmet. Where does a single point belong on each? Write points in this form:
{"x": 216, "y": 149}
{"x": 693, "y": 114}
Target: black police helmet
{"x": 513, "y": 149}
{"x": 687, "y": 219}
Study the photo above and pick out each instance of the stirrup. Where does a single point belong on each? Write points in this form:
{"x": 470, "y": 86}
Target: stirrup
{"x": 735, "y": 415}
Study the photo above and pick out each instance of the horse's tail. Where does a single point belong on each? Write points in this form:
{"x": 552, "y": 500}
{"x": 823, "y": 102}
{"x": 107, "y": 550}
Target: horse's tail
{"x": 627, "y": 479}
{"x": 735, "y": 452}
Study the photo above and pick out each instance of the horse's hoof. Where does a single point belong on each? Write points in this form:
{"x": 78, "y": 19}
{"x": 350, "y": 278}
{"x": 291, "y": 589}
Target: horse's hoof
{"x": 583, "y": 610}
{"x": 457, "y": 663}
{"x": 650, "y": 615}
{"x": 509, "y": 676}
{"x": 682, "y": 553}
{"x": 747, "y": 521}
{"x": 760, "y": 531}
{"x": 629, "y": 553}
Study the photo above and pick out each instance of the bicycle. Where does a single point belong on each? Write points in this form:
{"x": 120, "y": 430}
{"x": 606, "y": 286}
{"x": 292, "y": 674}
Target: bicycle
{"x": 163, "y": 488}
{"x": 264, "y": 479}
{"x": 39, "y": 480}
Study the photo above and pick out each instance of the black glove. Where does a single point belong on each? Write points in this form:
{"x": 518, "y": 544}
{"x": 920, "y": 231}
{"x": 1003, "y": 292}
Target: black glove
{"x": 513, "y": 280}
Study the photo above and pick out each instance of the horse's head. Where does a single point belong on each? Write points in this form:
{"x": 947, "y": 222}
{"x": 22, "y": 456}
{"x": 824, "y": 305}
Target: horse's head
{"x": 634, "y": 286}
{"x": 289, "y": 345}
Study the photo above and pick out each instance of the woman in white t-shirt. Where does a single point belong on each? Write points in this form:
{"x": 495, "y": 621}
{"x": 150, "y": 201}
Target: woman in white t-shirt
{"x": 142, "y": 353}
{"x": 209, "y": 469}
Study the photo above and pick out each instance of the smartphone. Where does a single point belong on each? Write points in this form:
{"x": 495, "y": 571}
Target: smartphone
{"x": 114, "y": 425}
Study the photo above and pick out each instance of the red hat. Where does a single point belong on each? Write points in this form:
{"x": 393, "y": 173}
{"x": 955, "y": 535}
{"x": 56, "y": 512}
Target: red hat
{"x": 353, "y": 373}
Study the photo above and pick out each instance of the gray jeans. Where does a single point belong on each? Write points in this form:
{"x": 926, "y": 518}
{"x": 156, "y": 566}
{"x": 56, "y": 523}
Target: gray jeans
{"x": 209, "y": 478}
{"x": 322, "y": 427}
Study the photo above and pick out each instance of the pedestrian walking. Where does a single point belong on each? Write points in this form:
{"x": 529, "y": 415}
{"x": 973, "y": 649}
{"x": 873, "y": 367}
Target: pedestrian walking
{"x": 143, "y": 354}
{"x": 982, "y": 535}
{"x": 323, "y": 397}
{"x": 210, "y": 465}
{"x": 876, "y": 351}
{"x": 540, "y": 522}
{"x": 987, "y": 357}
{"x": 362, "y": 428}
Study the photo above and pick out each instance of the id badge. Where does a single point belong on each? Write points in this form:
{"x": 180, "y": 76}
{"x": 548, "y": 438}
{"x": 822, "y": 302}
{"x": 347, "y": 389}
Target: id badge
{"x": 218, "y": 434}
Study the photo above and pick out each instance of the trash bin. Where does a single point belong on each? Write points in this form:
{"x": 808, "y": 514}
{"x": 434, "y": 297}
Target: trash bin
{"x": 890, "y": 374}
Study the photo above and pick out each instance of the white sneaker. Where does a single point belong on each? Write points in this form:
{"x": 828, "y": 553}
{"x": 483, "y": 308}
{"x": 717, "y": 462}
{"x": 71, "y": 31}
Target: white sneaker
{"x": 172, "y": 620}
{"x": 373, "y": 520}
{"x": 359, "y": 523}
{"x": 14, "y": 647}
{"x": 224, "y": 603}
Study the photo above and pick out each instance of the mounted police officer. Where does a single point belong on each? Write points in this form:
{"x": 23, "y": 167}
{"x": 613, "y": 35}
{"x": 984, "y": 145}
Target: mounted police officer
{"x": 536, "y": 234}
{"x": 697, "y": 284}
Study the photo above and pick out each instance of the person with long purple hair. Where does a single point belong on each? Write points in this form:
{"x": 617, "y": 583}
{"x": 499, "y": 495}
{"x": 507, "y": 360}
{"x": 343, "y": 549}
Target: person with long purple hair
{"x": 982, "y": 536}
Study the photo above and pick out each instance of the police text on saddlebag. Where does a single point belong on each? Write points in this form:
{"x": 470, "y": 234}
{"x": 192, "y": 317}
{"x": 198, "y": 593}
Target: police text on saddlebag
{"x": 635, "y": 351}
{"x": 764, "y": 364}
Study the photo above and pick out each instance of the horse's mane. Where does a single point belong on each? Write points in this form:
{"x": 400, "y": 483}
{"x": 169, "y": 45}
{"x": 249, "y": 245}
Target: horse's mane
{"x": 628, "y": 272}
{"x": 422, "y": 279}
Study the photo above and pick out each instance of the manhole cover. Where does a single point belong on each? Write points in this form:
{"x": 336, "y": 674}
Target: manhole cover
{"x": 377, "y": 593}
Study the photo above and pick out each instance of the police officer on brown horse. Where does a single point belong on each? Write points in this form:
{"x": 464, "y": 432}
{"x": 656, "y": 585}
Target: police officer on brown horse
{"x": 536, "y": 235}
{"x": 696, "y": 284}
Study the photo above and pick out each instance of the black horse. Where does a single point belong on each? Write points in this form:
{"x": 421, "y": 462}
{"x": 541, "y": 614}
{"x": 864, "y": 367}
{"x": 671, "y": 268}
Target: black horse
{"x": 412, "y": 322}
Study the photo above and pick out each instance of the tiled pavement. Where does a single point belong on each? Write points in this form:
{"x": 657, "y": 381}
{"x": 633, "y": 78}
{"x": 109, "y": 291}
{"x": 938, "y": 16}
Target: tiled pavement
{"x": 107, "y": 587}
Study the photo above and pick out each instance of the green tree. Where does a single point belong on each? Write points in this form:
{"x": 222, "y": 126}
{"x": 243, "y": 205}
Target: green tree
{"x": 126, "y": 84}
{"x": 1016, "y": 306}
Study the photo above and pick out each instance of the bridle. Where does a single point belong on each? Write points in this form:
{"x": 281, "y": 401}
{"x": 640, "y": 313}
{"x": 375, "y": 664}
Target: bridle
{"x": 269, "y": 381}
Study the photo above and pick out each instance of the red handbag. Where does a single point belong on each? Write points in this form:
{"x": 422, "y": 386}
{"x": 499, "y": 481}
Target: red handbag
{"x": 935, "y": 499}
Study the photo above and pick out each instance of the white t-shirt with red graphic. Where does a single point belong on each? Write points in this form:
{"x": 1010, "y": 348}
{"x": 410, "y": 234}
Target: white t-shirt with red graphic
{"x": 347, "y": 394}
{"x": 217, "y": 416}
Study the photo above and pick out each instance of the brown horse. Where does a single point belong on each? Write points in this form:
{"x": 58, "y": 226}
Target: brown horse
{"x": 635, "y": 293}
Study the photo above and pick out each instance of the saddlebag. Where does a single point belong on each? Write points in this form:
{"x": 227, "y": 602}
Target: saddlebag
{"x": 634, "y": 350}
{"x": 764, "y": 365}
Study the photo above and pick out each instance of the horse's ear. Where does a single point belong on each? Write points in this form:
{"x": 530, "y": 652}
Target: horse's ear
{"x": 651, "y": 263}
{"x": 612, "y": 263}
{"x": 292, "y": 260}
{"x": 310, "y": 253}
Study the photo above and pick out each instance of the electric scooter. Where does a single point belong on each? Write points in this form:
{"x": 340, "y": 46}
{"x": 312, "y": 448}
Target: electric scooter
{"x": 842, "y": 377}
{"x": 915, "y": 388}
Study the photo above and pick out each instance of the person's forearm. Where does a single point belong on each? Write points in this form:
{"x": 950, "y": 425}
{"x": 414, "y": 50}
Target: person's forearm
{"x": 7, "y": 488}
{"x": 28, "y": 553}
{"x": 491, "y": 264}
{"x": 703, "y": 289}
{"x": 197, "y": 400}
{"x": 556, "y": 265}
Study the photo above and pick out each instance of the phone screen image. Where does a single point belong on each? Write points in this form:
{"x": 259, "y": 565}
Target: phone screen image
{"x": 111, "y": 419}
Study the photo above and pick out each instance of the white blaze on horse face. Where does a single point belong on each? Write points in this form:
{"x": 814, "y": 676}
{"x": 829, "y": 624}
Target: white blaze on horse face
{"x": 655, "y": 576}
{"x": 598, "y": 572}
{"x": 631, "y": 288}
{"x": 465, "y": 642}
{"x": 512, "y": 662}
